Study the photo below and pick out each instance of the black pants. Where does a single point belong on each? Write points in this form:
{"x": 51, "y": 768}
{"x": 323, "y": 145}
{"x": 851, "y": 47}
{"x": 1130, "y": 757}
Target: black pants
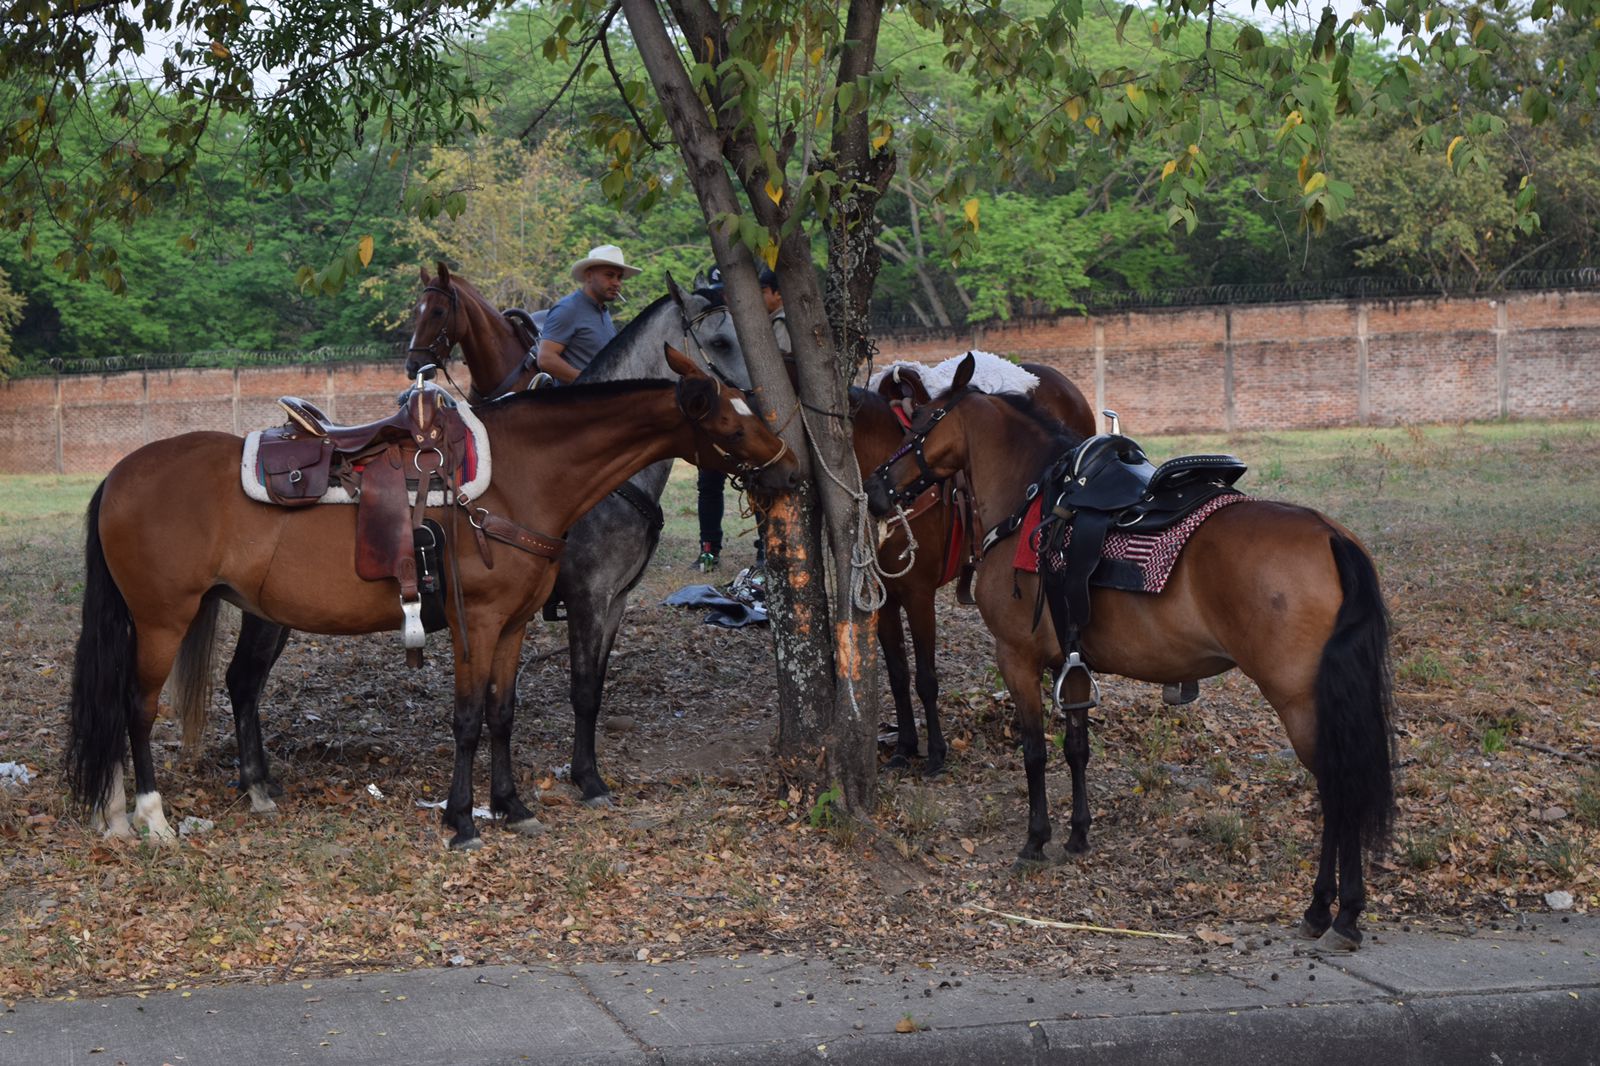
{"x": 709, "y": 486}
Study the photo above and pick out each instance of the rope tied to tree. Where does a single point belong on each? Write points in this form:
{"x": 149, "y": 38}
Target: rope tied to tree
{"x": 867, "y": 592}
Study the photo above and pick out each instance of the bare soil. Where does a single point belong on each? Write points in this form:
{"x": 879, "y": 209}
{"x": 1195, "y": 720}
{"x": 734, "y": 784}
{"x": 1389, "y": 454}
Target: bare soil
{"x": 1205, "y": 827}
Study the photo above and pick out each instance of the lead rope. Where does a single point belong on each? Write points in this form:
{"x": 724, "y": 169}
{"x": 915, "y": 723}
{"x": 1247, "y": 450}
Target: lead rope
{"x": 867, "y": 592}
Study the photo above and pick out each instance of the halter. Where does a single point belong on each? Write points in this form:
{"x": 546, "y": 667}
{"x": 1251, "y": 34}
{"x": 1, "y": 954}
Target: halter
{"x": 743, "y": 469}
{"x": 916, "y": 438}
{"x": 444, "y": 330}
{"x": 689, "y": 325}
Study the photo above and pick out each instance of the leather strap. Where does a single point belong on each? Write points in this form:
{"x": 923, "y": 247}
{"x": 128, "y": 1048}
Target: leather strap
{"x": 518, "y": 536}
{"x": 641, "y": 501}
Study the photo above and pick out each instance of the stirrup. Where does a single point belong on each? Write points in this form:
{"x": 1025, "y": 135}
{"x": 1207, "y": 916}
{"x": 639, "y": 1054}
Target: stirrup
{"x": 412, "y": 635}
{"x": 1075, "y": 662}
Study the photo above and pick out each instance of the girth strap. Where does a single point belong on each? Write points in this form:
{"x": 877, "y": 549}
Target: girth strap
{"x": 518, "y": 536}
{"x": 649, "y": 509}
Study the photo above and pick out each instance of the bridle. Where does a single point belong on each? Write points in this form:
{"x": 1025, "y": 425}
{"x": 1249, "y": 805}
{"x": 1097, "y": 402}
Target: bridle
{"x": 743, "y": 469}
{"x": 443, "y": 336}
{"x": 916, "y": 438}
{"x": 699, "y": 352}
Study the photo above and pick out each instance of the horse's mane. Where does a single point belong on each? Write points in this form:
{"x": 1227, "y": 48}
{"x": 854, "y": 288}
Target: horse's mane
{"x": 468, "y": 289}
{"x": 570, "y": 394}
{"x": 624, "y": 339}
{"x": 1060, "y": 437}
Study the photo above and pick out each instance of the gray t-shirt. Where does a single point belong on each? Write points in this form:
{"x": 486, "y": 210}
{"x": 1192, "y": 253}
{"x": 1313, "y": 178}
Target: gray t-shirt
{"x": 580, "y": 324}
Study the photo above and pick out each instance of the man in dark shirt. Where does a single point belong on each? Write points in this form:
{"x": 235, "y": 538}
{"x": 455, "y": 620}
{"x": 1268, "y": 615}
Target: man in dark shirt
{"x": 580, "y": 324}
{"x": 710, "y": 482}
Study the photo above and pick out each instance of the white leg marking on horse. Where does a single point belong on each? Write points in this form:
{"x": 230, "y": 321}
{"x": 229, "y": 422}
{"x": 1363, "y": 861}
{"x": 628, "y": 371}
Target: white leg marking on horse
{"x": 147, "y": 812}
{"x": 260, "y": 802}
{"x": 112, "y": 814}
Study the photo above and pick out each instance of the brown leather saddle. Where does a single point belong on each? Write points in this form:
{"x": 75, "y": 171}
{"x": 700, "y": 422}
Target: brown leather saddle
{"x": 422, "y": 447}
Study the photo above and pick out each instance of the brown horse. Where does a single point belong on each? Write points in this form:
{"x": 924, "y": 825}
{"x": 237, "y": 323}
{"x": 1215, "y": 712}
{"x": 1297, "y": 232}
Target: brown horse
{"x": 1281, "y": 592}
{"x": 910, "y": 586}
{"x": 171, "y": 533}
{"x": 451, "y": 312}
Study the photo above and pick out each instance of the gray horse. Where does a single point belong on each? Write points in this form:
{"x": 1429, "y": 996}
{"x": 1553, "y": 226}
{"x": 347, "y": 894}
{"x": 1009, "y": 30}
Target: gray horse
{"x": 607, "y": 550}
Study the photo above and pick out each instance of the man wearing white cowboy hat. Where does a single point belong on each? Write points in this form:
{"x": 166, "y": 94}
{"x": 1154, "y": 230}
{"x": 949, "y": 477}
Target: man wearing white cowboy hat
{"x": 579, "y": 325}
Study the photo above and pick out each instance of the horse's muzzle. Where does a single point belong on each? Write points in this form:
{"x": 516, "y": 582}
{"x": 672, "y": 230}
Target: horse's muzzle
{"x": 775, "y": 479}
{"x": 880, "y": 501}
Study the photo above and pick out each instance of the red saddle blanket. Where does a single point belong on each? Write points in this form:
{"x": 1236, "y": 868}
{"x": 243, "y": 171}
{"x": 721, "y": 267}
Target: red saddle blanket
{"x": 1154, "y": 555}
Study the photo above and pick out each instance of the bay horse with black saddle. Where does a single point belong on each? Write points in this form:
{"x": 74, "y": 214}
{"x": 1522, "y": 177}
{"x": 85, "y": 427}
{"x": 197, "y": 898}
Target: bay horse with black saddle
{"x": 1283, "y": 593}
{"x": 172, "y": 533}
{"x": 938, "y": 523}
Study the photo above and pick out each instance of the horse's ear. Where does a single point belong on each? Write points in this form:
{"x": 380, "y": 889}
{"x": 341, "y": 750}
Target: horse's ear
{"x": 964, "y": 373}
{"x": 681, "y": 364}
{"x": 444, "y": 272}
{"x": 427, "y": 279}
{"x": 697, "y": 397}
{"x": 673, "y": 291}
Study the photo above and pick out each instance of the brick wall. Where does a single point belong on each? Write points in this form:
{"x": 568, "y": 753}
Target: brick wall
{"x": 1287, "y": 366}
{"x": 1279, "y": 366}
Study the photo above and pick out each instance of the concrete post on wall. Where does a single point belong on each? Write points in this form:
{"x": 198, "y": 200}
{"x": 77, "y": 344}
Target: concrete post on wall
{"x": 61, "y": 437}
{"x": 1363, "y": 380}
{"x": 1099, "y": 374}
{"x": 1502, "y": 356}
{"x": 1230, "y": 414}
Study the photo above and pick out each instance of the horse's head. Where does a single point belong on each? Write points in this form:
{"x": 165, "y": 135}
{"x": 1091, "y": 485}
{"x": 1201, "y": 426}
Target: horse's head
{"x": 933, "y": 450}
{"x": 708, "y": 334}
{"x": 730, "y": 436}
{"x": 437, "y": 313}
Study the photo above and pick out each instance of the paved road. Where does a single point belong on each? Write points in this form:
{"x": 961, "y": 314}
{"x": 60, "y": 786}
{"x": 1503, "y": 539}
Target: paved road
{"x": 1499, "y": 998}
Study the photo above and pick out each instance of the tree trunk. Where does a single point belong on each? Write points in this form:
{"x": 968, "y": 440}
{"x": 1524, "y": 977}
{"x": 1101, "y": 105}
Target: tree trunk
{"x": 823, "y": 649}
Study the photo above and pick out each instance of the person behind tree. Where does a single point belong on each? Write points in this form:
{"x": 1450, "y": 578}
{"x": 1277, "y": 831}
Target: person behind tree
{"x": 710, "y": 483}
{"x": 579, "y": 325}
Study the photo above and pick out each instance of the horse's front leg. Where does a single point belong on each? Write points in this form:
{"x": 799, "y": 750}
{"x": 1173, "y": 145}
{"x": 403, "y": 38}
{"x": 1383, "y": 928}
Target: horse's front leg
{"x": 891, "y": 642}
{"x": 1021, "y": 669}
{"x": 502, "y": 711}
{"x": 260, "y": 644}
{"x": 1076, "y": 745}
{"x": 920, "y": 613}
{"x": 472, "y": 687}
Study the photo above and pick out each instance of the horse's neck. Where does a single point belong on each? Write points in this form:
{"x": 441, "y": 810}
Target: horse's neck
{"x": 490, "y": 346}
{"x": 876, "y": 433}
{"x": 1006, "y": 452}
{"x": 642, "y": 356}
{"x": 593, "y": 444}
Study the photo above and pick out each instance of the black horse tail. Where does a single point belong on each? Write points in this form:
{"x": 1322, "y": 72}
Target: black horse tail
{"x": 1355, "y": 705}
{"x": 105, "y": 691}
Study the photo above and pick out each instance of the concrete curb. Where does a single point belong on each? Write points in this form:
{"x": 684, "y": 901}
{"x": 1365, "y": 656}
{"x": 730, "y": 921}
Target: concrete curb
{"x": 1523, "y": 997}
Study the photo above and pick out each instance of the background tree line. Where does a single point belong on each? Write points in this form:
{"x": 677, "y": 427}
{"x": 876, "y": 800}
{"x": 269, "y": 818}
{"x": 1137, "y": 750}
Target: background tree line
{"x": 227, "y": 263}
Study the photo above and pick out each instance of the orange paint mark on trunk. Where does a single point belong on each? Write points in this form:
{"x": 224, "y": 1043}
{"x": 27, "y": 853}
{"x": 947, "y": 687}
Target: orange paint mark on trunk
{"x": 845, "y": 653}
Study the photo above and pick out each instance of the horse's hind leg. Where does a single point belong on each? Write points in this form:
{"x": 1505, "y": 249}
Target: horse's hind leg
{"x": 260, "y": 644}
{"x": 501, "y": 706}
{"x": 1319, "y": 915}
{"x": 157, "y": 650}
{"x": 891, "y": 641}
{"x": 592, "y": 625}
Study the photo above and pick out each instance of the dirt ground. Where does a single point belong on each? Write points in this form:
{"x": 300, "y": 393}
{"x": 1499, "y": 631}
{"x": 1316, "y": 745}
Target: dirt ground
{"x": 1205, "y": 827}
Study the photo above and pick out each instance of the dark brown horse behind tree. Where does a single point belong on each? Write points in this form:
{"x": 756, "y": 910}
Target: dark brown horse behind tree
{"x": 1283, "y": 593}
{"x": 912, "y": 586}
{"x": 171, "y": 534}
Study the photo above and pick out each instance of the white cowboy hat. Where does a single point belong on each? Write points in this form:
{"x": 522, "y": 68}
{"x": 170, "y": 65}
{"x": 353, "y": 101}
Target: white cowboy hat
{"x": 603, "y": 255}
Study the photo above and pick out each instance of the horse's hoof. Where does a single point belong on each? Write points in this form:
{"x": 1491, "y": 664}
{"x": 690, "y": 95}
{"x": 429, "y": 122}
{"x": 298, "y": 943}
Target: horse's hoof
{"x": 602, "y": 801}
{"x": 1074, "y": 846}
{"x": 261, "y": 800}
{"x": 528, "y": 827}
{"x": 463, "y": 842}
{"x": 1309, "y": 930}
{"x": 1028, "y": 864}
{"x": 1334, "y": 940}
{"x": 896, "y": 763}
{"x": 120, "y": 831}
{"x": 933, "y": 769}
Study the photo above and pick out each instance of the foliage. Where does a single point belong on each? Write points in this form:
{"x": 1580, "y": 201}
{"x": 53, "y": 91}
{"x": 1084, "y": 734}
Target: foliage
{"x": 10, "y": 314}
